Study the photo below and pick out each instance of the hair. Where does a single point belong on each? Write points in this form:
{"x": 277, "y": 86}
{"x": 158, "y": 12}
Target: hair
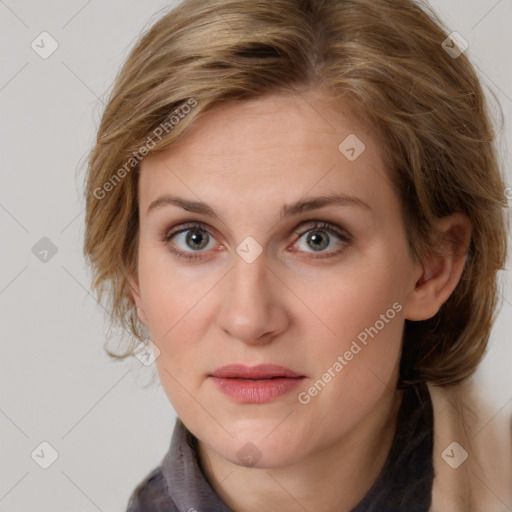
{"x": 386, "y": 61}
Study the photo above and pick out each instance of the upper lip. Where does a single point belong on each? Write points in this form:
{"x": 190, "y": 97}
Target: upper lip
{"x": 261, "y": 371}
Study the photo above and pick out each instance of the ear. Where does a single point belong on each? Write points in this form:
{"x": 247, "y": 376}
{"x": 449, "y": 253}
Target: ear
{"x": 135, "y": 293}
{"x": 441, "y": 271}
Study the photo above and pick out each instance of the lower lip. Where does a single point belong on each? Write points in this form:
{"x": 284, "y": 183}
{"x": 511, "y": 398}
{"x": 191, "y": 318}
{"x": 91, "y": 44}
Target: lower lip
{"x": 256, "y": 391}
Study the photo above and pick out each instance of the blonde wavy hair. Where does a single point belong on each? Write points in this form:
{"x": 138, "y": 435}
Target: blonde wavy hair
{"x": 387, "y": 60}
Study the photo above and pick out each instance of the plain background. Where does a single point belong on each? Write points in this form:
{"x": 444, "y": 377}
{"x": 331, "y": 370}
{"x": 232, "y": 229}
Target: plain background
{"x": 56, "y": 383}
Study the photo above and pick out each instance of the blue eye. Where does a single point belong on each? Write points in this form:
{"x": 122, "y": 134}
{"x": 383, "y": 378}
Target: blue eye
{"x": 193, "y": 240}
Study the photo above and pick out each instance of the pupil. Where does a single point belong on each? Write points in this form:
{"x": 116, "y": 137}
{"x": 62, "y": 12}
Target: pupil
{"x": 194, "y": 239}
{"x": 316, "y": 237}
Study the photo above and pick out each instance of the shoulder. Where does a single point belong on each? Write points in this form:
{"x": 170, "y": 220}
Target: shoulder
{"x": 151, "y": 494}
{"x": 472, "y": 450}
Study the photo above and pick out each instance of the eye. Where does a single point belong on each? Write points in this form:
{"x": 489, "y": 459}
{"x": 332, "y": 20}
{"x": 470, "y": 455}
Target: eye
{"x": 190, "y": 239}
{"x": 319, "y": 237}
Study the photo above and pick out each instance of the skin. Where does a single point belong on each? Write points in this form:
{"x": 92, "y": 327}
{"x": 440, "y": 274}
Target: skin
{"x": 247, "y": 160}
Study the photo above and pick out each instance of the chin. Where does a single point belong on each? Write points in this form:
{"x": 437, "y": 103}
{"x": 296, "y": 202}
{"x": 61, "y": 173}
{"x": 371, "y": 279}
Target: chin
{"x": 261, "y": 455}
{"x": 260, "y": 444}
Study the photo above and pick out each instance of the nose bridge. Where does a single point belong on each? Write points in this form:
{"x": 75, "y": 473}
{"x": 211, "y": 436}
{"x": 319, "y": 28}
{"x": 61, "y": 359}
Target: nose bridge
{"x": 249, "y": 281}
{"x": 248, "y": 309}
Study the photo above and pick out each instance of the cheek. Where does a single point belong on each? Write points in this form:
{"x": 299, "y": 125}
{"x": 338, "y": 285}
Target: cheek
{"x": 349, "y": 302}
{"x": 174, "y": 301}
{"x": 363, "y": 312}
{"x": 170, "y": 294}
{"x": 355, "y": 365}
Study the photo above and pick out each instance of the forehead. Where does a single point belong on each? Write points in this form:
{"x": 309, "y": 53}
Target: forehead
{"x": 279, "y": 146}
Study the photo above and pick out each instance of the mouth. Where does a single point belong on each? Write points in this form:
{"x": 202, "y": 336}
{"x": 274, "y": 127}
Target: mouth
{"x": 256, "y": 384}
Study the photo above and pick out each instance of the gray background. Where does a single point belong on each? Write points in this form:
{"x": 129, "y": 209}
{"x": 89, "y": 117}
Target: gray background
{"x": 56, "y": 384}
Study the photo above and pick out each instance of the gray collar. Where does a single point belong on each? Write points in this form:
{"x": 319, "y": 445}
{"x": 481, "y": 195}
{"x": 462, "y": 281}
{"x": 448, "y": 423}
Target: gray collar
{"x": 187, "y": 484}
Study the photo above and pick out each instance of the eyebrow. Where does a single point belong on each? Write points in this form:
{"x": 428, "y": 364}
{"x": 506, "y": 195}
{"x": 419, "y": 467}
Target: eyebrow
{"x": 301, "y": 206}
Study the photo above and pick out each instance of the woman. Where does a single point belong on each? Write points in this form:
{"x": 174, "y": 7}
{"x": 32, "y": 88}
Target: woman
{"x": 299, "y": 203}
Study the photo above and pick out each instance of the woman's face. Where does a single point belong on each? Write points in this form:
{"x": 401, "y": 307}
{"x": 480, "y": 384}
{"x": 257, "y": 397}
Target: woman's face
{"x": 321, "y": 290}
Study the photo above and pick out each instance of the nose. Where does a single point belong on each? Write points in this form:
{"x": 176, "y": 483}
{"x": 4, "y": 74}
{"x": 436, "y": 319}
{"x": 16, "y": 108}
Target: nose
{"x": 253, "y": 308}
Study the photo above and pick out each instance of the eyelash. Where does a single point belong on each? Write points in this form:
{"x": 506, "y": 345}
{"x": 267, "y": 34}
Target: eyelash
{"x": 316, "y": 226}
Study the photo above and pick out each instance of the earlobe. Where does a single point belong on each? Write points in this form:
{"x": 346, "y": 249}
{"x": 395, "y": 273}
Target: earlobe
{"x": 137, "y": 301}
{"x": 142, "y": 315}
{"x": 441, "y": 271}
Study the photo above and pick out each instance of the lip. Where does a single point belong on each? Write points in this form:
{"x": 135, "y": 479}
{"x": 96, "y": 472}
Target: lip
{"x": 261, "y": 371}
{"x": 255, "y": 384}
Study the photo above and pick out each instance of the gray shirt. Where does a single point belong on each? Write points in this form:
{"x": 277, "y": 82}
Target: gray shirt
{"x": 403, "y": 485}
